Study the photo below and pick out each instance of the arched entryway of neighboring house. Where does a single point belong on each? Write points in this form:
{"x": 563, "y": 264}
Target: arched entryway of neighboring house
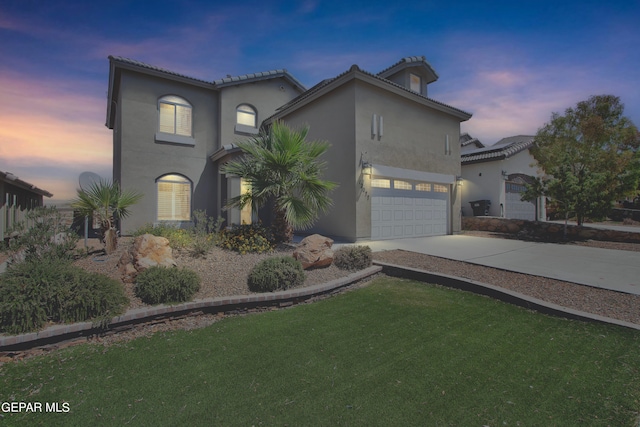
{"x": 514, "y": 207}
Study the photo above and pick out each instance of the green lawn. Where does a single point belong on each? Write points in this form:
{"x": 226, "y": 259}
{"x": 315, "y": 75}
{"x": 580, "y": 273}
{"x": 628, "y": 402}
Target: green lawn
{"x": 395, "y": 353}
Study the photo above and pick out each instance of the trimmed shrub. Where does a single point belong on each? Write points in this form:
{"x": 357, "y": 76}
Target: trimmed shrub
{"x": 247, "y": 238}
{"x": 357, "y": 257}
{"x": 43, "y": 290}
{"x": 162, "y": 285}
{"x": 277, "y": 273}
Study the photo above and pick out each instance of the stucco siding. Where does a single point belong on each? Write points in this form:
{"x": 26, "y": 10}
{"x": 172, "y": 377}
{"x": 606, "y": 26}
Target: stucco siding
{"x": 264, "y": 96}
{"x": 484, "y": 181}
{"x": 331, "y": 118}
{"x": 143, "y": 159}
{"x": 413, "y": 138}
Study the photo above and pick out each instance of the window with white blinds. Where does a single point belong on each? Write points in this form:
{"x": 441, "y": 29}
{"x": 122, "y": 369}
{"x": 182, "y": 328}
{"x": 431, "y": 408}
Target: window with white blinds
{"x": 174, "y": 198}
{"x": 175, "y": 115}
{"x": 246, "y": 115}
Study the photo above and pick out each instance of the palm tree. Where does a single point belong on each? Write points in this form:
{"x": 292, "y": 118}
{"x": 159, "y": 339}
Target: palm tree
{"x": 109, "y": 203}
{"x": 281, "y": 167}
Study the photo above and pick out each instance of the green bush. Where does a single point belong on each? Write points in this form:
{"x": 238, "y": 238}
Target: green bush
{"x": 205, "y": 233}
{"x": 37, "y": 291}
{"x": 161, "y": 285}
{"x": 178, "y": 238}
{"x": 277, "y": 273}
{"x": 357, "y": 257}
{"x": 198, "y": 240}
{"x": 247, "y": 238}
{"x": 42, "y": 234}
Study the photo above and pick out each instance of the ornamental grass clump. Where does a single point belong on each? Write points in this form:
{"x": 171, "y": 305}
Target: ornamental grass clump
{"x": 356, "y": 257}
{"x": 275, "y": 274}
{"x": 162, "y": 285}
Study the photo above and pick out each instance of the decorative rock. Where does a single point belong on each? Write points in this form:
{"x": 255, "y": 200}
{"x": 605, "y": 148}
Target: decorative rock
{"x": 147, "y": 251}
{"x": 314, "y": 251}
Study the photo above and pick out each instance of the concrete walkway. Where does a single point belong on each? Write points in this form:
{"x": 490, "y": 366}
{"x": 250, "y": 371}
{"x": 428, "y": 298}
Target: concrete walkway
{"x": 604, "y": 268}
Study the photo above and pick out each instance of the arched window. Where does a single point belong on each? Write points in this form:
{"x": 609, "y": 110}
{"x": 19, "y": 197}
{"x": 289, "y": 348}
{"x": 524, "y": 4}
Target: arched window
{"x": 246, "y": 115}
{"x": 174, "y": 198}
{"x": 174, "y": 115}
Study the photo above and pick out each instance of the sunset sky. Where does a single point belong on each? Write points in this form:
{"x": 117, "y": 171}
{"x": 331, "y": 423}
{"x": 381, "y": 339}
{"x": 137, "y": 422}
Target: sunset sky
{"x": 509, "y": 63}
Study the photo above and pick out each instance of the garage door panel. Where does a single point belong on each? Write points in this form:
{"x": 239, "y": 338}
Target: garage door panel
{"x": 396, "y": 217}
{"x": 517, "y": 209}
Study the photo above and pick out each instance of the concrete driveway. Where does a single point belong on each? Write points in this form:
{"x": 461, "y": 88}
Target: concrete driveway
{"x": 603, "y": 268}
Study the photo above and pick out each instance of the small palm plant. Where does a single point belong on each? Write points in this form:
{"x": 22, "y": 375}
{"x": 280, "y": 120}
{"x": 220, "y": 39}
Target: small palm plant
{"x": 280, "y": 166}
{"x": 109, "y": 203}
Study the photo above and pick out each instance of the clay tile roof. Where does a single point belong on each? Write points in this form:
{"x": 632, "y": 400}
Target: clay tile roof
{"x": 409, "y": 61}
{"x": 152, "y": 67}
{"x": 226, "y": 81}
{"x": 265, "y": 75}
{"x": 354, "y": 68}
{"x": 502, "y": 149}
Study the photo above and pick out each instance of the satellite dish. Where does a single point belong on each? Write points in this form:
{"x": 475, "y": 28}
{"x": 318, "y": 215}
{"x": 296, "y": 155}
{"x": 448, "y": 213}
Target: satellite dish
{"x": 88, "y": 179}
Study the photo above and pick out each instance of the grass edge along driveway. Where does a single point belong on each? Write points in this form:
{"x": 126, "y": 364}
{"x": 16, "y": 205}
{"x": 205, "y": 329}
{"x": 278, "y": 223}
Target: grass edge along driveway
{"x": 396, "y": 352}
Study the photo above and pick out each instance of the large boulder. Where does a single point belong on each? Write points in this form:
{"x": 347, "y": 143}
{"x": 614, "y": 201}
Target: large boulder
{"x": 314, "y": 251}
{"x": 147, "y": 251}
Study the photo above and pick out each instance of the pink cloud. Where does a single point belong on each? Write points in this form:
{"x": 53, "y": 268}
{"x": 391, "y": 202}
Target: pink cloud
{"x": 47, "y": 124}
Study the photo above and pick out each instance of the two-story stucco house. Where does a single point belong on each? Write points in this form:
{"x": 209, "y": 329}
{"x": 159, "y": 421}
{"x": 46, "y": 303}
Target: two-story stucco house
{"x": 394, "y": 151}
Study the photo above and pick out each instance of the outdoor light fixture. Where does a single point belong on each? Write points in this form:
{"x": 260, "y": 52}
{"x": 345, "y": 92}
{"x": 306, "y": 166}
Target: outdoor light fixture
{"x": 459, "y": 180}
{"x": 504, "y": 175}
{"x": 367, "y": 168}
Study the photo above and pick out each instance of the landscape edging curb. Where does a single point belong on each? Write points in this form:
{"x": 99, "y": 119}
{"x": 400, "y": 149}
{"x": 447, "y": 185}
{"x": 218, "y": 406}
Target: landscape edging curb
{"x": 58, "y": 333}
{"x": 66, "y": 332}
{"x": 498, "y": 293}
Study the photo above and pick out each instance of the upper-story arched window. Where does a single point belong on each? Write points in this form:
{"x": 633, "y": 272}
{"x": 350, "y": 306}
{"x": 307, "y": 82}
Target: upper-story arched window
{"x": 246, "y": 115}
{"x": 175, "y": 116}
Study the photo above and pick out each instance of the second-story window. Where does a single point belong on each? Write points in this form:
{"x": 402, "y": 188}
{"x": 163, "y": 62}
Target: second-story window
{"x": 246, "y": 115}
{"x": 175, "y": 116}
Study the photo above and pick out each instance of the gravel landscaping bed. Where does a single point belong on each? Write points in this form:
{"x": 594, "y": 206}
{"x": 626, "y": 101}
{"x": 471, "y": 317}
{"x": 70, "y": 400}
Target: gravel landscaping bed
{"x": 222, "y": 272}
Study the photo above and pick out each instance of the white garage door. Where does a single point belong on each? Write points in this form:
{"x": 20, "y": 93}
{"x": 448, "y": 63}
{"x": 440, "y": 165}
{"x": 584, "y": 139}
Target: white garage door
{"x": 402, "y": 208}
{"x": 515, "y": 208}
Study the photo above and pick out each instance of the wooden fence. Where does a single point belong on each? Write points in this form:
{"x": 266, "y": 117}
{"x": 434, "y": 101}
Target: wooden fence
{"x": 10, "y": 215}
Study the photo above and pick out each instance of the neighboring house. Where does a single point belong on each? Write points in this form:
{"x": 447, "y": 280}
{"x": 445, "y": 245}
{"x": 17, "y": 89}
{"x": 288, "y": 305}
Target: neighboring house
{"x": 469, "y": 143}
{"x": 498, "y": 173}
{"x": 17, "y": 197}
{"x": 393, "y": 150}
